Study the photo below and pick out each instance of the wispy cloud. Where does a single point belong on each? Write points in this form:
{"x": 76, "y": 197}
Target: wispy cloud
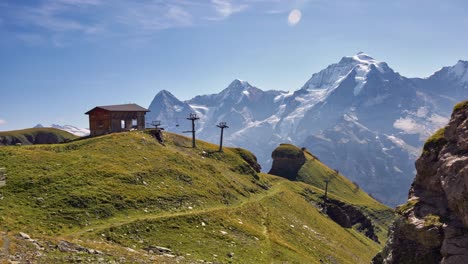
{"x": 2, "y": 122}
{"x": 151, "y": 16}
{"x": 60, "y": 21}
{"x": 225, "y": 8}
{"x": 57, "y": 16}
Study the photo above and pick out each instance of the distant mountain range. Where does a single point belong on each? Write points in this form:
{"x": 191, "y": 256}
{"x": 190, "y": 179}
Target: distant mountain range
{"x": 358, "y": 116}
{"x": 80, "y": 132}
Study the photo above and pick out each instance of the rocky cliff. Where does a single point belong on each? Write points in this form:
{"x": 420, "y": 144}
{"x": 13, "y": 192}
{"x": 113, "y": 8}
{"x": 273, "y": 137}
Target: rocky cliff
{"x": 433, "y": 227}
{"x": 287, "y": 161}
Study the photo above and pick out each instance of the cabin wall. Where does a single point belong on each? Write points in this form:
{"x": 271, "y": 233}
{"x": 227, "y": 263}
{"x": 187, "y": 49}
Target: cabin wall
{"x": 99, "y": 122}
{"x": 103, "y": 122}
{"x": 124, "y": 121}
{"x": 141, "y": 120}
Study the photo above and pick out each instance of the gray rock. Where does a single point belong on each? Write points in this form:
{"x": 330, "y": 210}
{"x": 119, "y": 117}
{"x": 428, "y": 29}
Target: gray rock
{"x": 158, "y": 250}
{"x": 65, "y": 246}
{"x": 24, "y": 235}
{"x": 432, "y": 227}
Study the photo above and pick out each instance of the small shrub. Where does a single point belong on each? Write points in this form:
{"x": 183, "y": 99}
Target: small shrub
{"x": 436, "y": 141}
{"x": 404, "y": 208}
{"x": 432, "y": 220}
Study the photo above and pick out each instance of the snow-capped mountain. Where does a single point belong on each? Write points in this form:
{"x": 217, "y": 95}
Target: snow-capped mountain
{"x": 240, "y": 103}
{"x": 172, "y": 112}
{"x": 446, "y": 86}
{"x": 80, "y": 132}
{"x": 358, "y": 116}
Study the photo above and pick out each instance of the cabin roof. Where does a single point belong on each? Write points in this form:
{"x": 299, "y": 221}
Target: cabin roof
{"x": 120, "y": 108}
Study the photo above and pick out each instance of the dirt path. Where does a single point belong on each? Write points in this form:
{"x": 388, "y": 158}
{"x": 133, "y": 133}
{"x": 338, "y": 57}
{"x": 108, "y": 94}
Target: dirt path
{"x": 119, "y": 221}
{"x": 266, "y": 234}
{"x": 5, "y": 253}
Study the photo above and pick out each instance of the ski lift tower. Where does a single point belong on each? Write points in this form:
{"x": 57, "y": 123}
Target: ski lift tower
{"x": 221, "y": 125}
{"x": 328, "y": 180}
{"x": 192, "y": 117}
{"x": 156, "y": 124}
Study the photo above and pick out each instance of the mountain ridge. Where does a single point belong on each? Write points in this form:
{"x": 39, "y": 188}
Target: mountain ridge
{"x": 378, "y": 98}
{"x": 80, "y": 132}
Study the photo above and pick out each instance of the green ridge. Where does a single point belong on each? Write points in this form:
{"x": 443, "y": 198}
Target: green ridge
{"x": 340, "y": 188}
{"x": 35, "y": 136}
{"x": 126, "y": 190}
{"x": 460, "y": 106}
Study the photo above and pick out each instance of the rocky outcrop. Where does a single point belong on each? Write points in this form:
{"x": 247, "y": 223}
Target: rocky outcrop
{"x": 248, "y": 157}
{"x": 433, "y": 227}
{"x": 287, "y": 161}
{"x": 348, "y": 216}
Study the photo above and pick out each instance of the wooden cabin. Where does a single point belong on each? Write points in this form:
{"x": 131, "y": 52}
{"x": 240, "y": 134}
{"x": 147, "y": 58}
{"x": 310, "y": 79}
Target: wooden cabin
{"x": 116, "y": 118}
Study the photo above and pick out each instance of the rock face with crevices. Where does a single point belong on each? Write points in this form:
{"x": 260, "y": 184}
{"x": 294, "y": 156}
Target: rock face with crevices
{"x": 433, "y": 227}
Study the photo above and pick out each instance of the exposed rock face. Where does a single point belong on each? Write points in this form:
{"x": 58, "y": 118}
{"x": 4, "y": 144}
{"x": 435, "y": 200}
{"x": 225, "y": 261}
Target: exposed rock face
{"x": 346, "y": 216}
{"x": 287, "y": 161}
{"x": 433, "y": 227}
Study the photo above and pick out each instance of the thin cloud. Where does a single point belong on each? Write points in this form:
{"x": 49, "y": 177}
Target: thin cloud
{"x": 226, "y": 8}
{"x": 151, "y": 17}
{"x": 62, "y": 22}
{"x": 53, "y": 16}
{"x": 2, "y": 122}
{"x": 275, "y": 12}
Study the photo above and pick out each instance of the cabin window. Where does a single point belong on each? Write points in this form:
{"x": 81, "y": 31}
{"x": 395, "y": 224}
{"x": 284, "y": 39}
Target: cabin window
{"x": 134, "y": 123}
{"x": 122, "y": 124}
{"x": 100, "y": 124}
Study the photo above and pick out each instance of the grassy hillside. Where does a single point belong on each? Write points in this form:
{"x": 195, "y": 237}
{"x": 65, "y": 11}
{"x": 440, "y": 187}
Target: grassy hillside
{"x": 124, "y": 194}
{"x": 35, "y": 136}
{"x": 314, "y": 172}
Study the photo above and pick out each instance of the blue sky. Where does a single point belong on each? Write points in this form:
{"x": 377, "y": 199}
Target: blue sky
{"x": 60, "y": 58}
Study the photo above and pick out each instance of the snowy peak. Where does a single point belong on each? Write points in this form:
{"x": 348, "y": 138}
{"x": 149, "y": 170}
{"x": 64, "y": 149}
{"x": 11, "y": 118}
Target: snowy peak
{"x": 80, "y": 132}
{"x": 164, "y": 100}
{"x": 238, "y": 82}
{"x": 331, "y": 77}
{"x": 237, "y": 90}
{"x": 165, "y": 95}
{"x": 460, "y": 71}
{"x": 364, "y": 60}
{"x": 237, "y": 86}
{"x": 166, "y": 108}
{"x": 451, "y": 81}
{"x": 360, "y": 57}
